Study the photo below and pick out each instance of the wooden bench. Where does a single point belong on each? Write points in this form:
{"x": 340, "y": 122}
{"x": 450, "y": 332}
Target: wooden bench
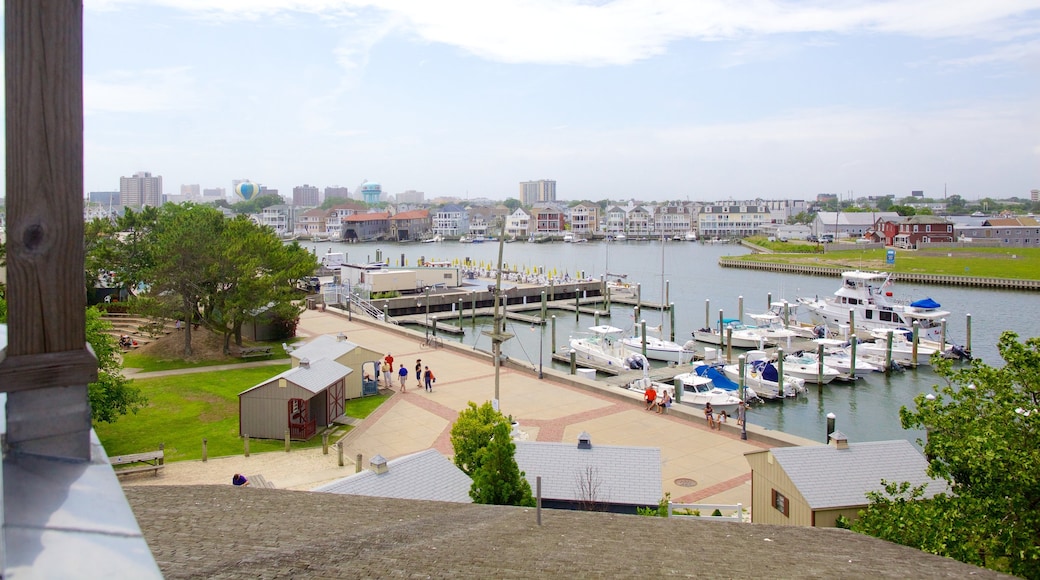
{"x": 259, "y": 481}
{"x": 138, "y": 462}
{"x": 254, "y": 352}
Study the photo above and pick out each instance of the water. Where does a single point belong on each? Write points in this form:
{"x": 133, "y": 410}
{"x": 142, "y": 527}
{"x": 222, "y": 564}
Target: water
{"x": 866, "y": 410}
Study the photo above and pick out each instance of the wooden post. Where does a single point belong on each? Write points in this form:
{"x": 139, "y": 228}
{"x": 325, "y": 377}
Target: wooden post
{"x": 671, "y": 321}
{"x": 740, "y": 308}
{"x": 967, "y": 338}
{"x": 433, "y": 321}
{"x": 325, "y": 443}
{"x": 538, "y": 498}
{"x": 473, "y": 312}
{"x": 597, "y": 318}
{"x": 729, "y": 344}
{"x": 942, "y": 335}
{"x": 48, "y": 365}
{"x": 819, "y": 365}
{"x": 707, "y": 313}
{"x": 577, "y": 306}
{"x": 916, "y": 338}
{"x": 574, "y": 361}
{"x": 769, "y": 301}
{"x": 639, "y": 299}
{"x": 852, "y": 324}
{"x": 287, "y": 440}
{"x": 608, "y": 298}
{"x": 205, "y": 452}
{"x": 852, "y": 363}
{"x": 780, "y": 371}
{"x": 642, "y": 334}
{"x": 888, "y": 353}
{"x": 460, "y": 313}
{"x": 544, "y": 305}
{"x": 554, "y": 333}
{"x": 245, "y": 442}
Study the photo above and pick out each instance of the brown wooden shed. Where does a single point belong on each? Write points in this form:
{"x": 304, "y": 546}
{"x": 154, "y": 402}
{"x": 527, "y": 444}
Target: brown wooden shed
{"x": 348, "y": 354}
{"x": 300, "y": 400}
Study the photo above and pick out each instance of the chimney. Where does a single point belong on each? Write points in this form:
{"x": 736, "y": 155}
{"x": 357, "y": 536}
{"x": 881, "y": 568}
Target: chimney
{"x": 378, "y": 464}
{"x": 305, "y": 363}
{"x": 341, "y": 337}
{"x": 584, "y": 440}
{"x": 839, "y": 440}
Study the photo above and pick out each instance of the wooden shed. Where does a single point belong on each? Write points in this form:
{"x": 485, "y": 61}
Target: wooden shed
{"x": 300, "y": 400}
{"x": 338, "y": 348}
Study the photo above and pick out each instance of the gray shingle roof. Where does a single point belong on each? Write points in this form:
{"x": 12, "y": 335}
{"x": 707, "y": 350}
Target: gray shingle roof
{"x": 426, "y": 475}
{"x": 324, "y": 346}
{"x": 315, "y": 377}
{"x": 828, "y": 477}
{"x": 626, "y": 475}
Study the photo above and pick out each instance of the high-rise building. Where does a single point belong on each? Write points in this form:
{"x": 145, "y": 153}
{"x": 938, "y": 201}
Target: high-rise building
{"x": 411, "y": 196}
{"x": 305, "y": 195}
{"x": 191, "y": 191}
{"x": 143, "y": 189}
{"x": 107, "y": 198}
{"x": 336, "y": 191}
{"x": 1034, "y": 195}
{"x": 532, "y": 192}
{"x": 214, "y": 193}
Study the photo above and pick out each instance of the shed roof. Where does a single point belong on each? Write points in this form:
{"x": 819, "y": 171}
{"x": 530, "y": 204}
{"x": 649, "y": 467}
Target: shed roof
{"x": 324, "y": 346}
{"x": 426, "y": 475}
{"x": 315, "y": 377}
{"x": 828, "y": 477}
{"x": 626, "y": 475}
{"x": 367, "y": 217}
{"x": 412, "y": 215}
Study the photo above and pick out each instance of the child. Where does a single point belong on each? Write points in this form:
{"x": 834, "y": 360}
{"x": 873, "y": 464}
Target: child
{"x": 430, "y": 379}
{"x": 402, "y": 374}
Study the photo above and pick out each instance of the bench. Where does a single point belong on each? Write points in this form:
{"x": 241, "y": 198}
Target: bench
{"x": 259, "y": 481}
{"x": 254, "y": 352}
{"x": 138, "y": 462}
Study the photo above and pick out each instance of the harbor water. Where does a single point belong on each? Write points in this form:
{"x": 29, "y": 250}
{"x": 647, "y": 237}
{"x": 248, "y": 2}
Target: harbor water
{"x": 865, "y": 410}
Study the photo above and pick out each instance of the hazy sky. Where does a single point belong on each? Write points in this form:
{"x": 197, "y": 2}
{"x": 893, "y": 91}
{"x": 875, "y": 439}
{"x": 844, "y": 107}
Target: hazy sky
{"x": 649, "y": 99}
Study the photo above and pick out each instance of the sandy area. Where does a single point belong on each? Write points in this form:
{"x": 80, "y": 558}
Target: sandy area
{"x": 302, "y": 469}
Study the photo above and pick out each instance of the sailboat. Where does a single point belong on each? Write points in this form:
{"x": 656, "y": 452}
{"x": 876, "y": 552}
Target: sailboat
{"x": 657, "y": 348}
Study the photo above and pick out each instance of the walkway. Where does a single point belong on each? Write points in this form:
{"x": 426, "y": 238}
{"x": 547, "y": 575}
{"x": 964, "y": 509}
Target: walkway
{"x": 548, "y": 410}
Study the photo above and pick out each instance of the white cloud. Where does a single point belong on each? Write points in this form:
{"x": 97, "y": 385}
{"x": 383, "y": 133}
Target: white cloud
{"x": 144, "y": 91}
{"x": 620, "y": 32}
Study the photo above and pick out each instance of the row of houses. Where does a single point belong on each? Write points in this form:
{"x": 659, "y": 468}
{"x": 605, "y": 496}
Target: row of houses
{"x": 891, "y": 229}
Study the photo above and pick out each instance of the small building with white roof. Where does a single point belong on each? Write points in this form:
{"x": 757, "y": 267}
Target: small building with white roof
{"x": 426, "y": 475}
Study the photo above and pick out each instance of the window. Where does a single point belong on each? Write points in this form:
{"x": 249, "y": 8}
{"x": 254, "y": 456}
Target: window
{"x": 780, "y": 503}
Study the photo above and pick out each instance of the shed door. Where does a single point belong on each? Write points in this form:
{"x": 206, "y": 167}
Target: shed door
{"x": 335, "y": 396}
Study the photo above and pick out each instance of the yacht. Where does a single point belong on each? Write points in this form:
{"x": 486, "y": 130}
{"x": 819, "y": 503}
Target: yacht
{"x": 601, "y": 346}
{"x": 660, "y": 349}
{"x": 869, "y": 296}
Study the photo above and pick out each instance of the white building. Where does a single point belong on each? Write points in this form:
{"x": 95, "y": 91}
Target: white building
{"x": 532, "y": 192}
{"x": 451, "y": 220}
{"x": 518, "y": 223}
{"x": 143, "y": 189}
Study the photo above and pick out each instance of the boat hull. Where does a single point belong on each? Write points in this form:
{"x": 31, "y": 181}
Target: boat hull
{"x": 657, "y": 351}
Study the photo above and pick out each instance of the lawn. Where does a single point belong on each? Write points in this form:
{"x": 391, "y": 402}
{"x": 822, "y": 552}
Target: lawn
{"x": 184, "y": 409}
{"x": 1016, "y": 263}
{"x": 148, "y": 363}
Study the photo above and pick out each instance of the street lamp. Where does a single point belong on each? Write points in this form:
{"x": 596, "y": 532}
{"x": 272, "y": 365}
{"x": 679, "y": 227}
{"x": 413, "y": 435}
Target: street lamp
{"x": 426, "y": 291}
{"x": 541, "y": 338}
{"x": 742, "y": 408}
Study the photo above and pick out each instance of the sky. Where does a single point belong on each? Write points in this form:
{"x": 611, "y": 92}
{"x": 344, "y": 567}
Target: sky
{"x": 624, "y": 99}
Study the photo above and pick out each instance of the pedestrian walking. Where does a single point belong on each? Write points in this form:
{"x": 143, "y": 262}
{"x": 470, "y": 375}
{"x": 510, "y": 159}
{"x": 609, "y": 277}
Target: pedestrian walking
{"x": 402, "y": 374}
{"x": 418, "y": 373}
{"x": 430, "y": 379}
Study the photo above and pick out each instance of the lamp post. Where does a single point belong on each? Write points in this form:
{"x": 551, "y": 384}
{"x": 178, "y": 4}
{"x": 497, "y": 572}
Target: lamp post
{"x": 426, "y": 291}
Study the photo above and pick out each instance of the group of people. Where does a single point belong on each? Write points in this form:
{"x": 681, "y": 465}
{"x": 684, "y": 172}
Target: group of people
{"x": 126, "y": 342}
{"x": 655, "y": 401}
{"x": 423, "y": 374}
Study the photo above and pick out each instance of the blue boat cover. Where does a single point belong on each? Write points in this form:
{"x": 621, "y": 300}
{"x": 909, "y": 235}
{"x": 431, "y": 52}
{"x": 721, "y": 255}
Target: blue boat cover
{"x": 717, "y": 378}
{"x": 925, "y": 303}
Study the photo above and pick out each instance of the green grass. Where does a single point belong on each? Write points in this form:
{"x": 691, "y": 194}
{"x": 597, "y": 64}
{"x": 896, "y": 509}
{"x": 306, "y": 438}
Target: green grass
{"x": 147, "y": 364}
{"x": 1014, "y": 263}
{"x": 184, "y": 409}
{"x": 363, "y": 407}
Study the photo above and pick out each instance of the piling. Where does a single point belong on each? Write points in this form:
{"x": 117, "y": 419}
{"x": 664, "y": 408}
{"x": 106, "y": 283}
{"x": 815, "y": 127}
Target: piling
{"x": 967, "y": 343}
{"x": 460, "y": 313}
{"x": 667, "y": 291}
{"x": 707, "y": 313}
{"x": 639, "y": 297}
{"x": 852, "y": 364}
{"x": 577, "y": 306}
{"x": 769, "y": 300}
{"x": 740, "y": 308}
{"x": 671, "y": 321}
{"x": 245, "y": 442}
{"x": 787, "y": 314}
{"x": 740, "y": 369}
{"x": 554, "y": 333}
{"x": 473, "y": 312}
{"x": 204, "y": 451}
{"x": 642, "y": 333}
{"x": 942, "y": 335}
{"x": 852, "y": 324}
{"x": 917, "y": 336}
{"x": 819, "y": 366}
{"x": 574, "y": 362}
{"x": 729, "y": 344}
{"x": 830, "y": 427}
{"x": 402, "y": 260}
{"x": 608, "y": 299}
{"x": 780, "y": 371}
{"x": 597, "y": 318}
{"x": 678, "y": 384}
{"x": 888, "y": 354}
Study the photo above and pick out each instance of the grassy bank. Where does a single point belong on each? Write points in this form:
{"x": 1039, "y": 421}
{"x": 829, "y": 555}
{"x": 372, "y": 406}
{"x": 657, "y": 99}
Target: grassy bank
{"x": 1018, "y": 263}
{"x": 184, "y": 409}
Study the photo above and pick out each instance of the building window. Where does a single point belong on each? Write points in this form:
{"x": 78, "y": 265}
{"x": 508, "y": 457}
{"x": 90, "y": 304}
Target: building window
{"x": 781, "y": 504}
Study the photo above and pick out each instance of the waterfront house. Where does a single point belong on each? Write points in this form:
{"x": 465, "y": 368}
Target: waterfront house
{"x": 310, "y": 222}
{"x": 547, "y": 220}
{"x": 916, "y": 229}
{"x": 672, "y": 219}
{"x": 336, "y": 214}
{"x": 410, "y": 225}
{"x": 366, "y": 227}
{"x": 481, "y": 220}
{"x": 451, "y": 220}
{"x": 518, "y": 223}
{"x": 616, "y": 220}
{"x": 813, "y": 486}
{"x": 280, "y": 218}
{"x": 638, "y": 222}
{"x": 850, "y": 224}
{"x": 584, "y": 218}
{"x": 732, "y": 220}
{"x": 1011, "y": 231}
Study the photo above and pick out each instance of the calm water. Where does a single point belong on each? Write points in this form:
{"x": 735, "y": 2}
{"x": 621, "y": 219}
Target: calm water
{"x": 866, "y": 410}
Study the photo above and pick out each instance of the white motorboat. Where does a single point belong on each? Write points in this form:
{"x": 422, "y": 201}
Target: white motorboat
{"x": 620, "y": 238}
{"x": 465, "y": 240}
{"x": 568, "y": 238}
{"x": 660, "y": 349}
{"x": 808, "y": 369}
{"x": 742, "y": 336}
{"x": 698, "y": 391}
{"x": 691, "y": 236}
{"x": 435, "y": 239}
{"x": 902, "y": 347}
{"x": 868, "y": 295}
{"x": 838, "y": 354}
{"x": 602, "y": 346}
{"x": 761, "y": 375}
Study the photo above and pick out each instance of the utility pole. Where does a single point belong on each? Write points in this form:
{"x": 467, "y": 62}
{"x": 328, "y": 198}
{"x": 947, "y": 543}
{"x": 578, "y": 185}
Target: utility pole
{"x": 497, "y": 336}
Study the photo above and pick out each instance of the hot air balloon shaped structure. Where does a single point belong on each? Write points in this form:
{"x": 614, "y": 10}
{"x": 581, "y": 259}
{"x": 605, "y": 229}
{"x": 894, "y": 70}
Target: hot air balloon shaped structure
{"x": 247, "y": 190}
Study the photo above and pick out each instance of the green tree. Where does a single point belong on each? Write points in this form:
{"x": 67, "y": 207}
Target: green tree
{"x": 471, "y": 433}
{"x": 983, "y": 430}
{"x": 330, "y": 202}
{"x": 903, "y": 210}
{"x": 512, "y": 203}
{"x": 498, "y": 480}
{"x": 257, "y": 204}
{"x": 955, "y": 205}
{"x": 884, "y": 203}
{"x": 112, "y": 395}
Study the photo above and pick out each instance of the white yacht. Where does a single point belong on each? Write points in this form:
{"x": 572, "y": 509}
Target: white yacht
{"x": 808, "y": 369}
{"x": 660, "y": 349}
{"x": 869, "y": 296}
{"x": 742, "y": 337}
{"x": 601, "y": 345}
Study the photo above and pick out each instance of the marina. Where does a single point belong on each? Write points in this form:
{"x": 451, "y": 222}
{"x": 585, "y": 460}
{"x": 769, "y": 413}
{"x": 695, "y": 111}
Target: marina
{"x": 866, "y": 409}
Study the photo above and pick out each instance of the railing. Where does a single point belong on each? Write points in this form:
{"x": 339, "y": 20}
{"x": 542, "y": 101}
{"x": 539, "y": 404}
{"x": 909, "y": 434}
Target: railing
{"x": 706, "y": 509}
{"x": 302, "y": 431}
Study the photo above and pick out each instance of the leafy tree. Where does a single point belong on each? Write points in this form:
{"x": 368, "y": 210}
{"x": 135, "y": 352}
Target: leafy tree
{"x": 802, "y": 218}
{"x": 924, "y": 211}
{"x": 471, "y": 433}
{"x": 112, "y": 395}
{"x": 955, "y": 205}
{"x": 903, "y": 210}
{"x": 498, "y": 480}
{"x": 512, "y": 203}
{"x": 257, "y": 204}
{"x": 117, "y": 250}
{"x": 983, "y": 430}
{"x": 884, "y": 203}
{"x": 330, "y": 202}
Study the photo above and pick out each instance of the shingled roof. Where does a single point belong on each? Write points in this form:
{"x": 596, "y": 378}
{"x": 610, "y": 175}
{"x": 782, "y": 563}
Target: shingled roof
{"x": 426, "y": 475}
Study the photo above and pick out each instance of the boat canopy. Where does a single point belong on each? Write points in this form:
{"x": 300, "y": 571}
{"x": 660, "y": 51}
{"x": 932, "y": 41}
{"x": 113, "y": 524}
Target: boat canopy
{"x": 605, "y": 329}
{"x": 925, "y": 303}
{"x": 717, "y": 378}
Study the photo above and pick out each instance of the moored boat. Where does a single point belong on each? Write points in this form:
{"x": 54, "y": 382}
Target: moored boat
{"x": 601, "y": 345}
{"x": 660, "y": 349}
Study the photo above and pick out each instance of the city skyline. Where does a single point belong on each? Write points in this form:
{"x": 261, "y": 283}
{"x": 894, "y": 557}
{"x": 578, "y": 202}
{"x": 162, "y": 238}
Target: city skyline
{"x": 640, "y": 99}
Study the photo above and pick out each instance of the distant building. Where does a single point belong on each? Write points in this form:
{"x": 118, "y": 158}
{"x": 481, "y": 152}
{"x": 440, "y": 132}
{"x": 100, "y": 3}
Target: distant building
{"x": 451, "y": 220}
{"x": 336, "y": 191}
{"x": 585, "y": 218}
{"x": 366, "y": 226}
{"x": 850, "y": 224}
{"x": 105, "y": 198}
{"x": 1014, "y": 232}
{"x": 616, "y": 222}
{"x": 732, "y": 221}
{"x": 532, "y": 192}
{"x": 305, "y": 195}
{"x": 518, "y": 223}
{"x": 547, "y": 219}
{"x": 191, "y": 191}
{"x": 371, "y": 193}
{"x": 143, "y": 189}
{"x": 913, "y": 230}
{"x": 410, "y": 225}
{"x": 917, "y": 193}
{"x": 411, "y": 196}
{"x": 213, "y": 194}
{"x": 1034, "y": 194}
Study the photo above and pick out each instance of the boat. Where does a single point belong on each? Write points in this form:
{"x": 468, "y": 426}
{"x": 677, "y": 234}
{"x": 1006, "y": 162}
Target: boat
{"x": 902, "y": 347}
{"x": 580, "y": 240}
{"x": 434, "y": 240}
{"x": 660, "y": 349}
{"x": 761, "y": 375}
{"x": 868, "y": 295}
{"x": 465, "y": 240}
{"x": 719, "y": 380}
{"x": 332, "y": 260}
{"x": 620, "y": 238}
{"x": 691, "y": 236}
{"x": 808, "y": 369}
{"x": 479, "y": 240}
{"x": 742, "y": 336}
{"x": 568, "y": 238}
{"x": 699, "y": 390}
{"x": 601, "y": 346}
{"x": 838, "y": 354}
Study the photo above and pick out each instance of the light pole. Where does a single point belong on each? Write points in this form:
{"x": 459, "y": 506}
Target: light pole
{"x": 541, "y": 338}
{"x": 426, "y": 291}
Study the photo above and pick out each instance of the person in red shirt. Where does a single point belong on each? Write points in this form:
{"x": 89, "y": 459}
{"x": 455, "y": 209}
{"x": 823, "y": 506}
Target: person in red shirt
{"x": 650, "y": 394}
{"x": 389, "y": 360}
